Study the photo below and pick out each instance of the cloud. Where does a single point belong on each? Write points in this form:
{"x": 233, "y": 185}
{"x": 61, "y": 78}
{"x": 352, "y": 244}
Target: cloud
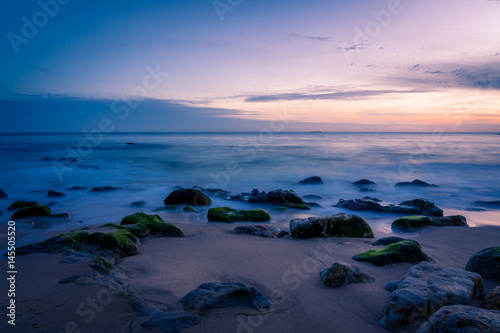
{"x": 348, "y": 47}
{"x": 335, "y": 95}
{"x": 314, "y": 38}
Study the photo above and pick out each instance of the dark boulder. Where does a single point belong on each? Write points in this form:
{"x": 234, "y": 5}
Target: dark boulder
{"x": 486, "y": 263}
{"x": 138, "y": 204}
{"x": 260, "y": 231}
{"x": 462, "y": 319}
{"x": 76, "y": 188}
{"x": 3, "y": 195}
{"x": 283, "y": 198}
{"x": 411, "y": 223}
{"x": 340, "y": 274}
{"x": 409, "y": 207}
{"x": 363, "y": 182}
{"x": 424, "y": 290}
{"x": 492, "y": 300}
{"x": 311, "y": 181}
{"x": 416, "y": 182}
{"x": 52, "y": 194}
{"x": 217, "y": 295}
{"x": 35, "y": 210}
{"x": 405, "y": 251}
{"x": 104, "y": 189}
{"x": 192, "y": 197}
{"x": 340, "y": 225}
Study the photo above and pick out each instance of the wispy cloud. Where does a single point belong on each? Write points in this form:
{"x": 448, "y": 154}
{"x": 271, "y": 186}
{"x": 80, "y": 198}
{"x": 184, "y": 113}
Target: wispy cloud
{"x": 335, "y": 95}
{"x": 314, "y": 38}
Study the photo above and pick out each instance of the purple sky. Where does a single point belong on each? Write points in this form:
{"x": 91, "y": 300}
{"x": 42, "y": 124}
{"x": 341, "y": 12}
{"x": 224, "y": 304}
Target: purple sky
{"x": 363, "y": 65}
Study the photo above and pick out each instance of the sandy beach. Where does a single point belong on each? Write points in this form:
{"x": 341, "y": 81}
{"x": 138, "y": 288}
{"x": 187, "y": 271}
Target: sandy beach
{"x": 286, "y": 270}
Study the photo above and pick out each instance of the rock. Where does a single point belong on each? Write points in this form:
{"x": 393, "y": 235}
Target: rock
{"x": 171, "y": 322}
{"x": 312, "y": 197}
{"x": 130, "y": 143}
{"x": 122, "y": 242}
{"x": 190, "y": 209}
{"x": 392, "y": 240}
{"x": 216, "y": 295}
{"x": 283, "y": 198}
{"x": 366, "y": 189}
{"x": 192, "y": 197}
{"x": 55, "y": 194}
{"x": 416, "y": 182}
{"x": 3, "y": 195}
{"x": 79, "y": 280}
{"x": 260, "y": 230}
{"x": 462, "y": 319}
{"x": 70, "y": 160}
{"x": 405, "y": 251}
{"x": 450, "y": 221}
{"x": 48, "y": 159}
{"x": 104, "y": 189}
{"x": 486, "y": 263}
{"x": 35, "y": 210}
{"x": 340, "y": 274}
{"x": 492, "y": 300}
{"x": 410, "y": 207}
{"x": 76, "y": 188}
{"x": 411, "y": 223}
{"x": 138, "y": 204}
{"x": 425, "y": 289}
{"x": 363, "y": 182}
{"x": 229, "y": 215}
{"x": 21, "y": 204}
{"x": 102, "y": 265}
{"x": 142, "y": 225}
{"x": 340, "y": 225}
{"x": 488, "y": 204}
{"x": 311, "y": 181}
{"x": 216, "y": 192}
{"x": 313, "y": 204}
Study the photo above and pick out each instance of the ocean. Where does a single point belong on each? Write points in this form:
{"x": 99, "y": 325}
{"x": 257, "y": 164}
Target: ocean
{"x": 148, "y": 166}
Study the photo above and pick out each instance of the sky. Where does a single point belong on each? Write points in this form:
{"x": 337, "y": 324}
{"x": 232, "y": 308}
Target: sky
{"x": 241, "y": 65}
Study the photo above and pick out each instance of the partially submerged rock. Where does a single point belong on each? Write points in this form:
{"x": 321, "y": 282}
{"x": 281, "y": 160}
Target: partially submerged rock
{"x": 138, "y": 204}
{"x": 492, "y": 300}
{"x": 340, "y": 274}
{"x": 76, "y": 188}
{"x": 363, "y": 182}
{"x": 34, "y": 210}
{"x": 416, "y": 182}
{"x": 425, "y": 289}
{"x": 392, "y": 240}
{"x": 21, "y": 204}
{"x": 104, "y": 189}
{"x": 229, "y": 215}
{"x": 190, "y": 209}
{"x": 340, "y": 225}
{"x": 187, "y": 196}
{"x": 260, "y": 230}
{"x": 3, "y": 195}
{"x": 410, "y": 207}
{"x": 55, "y": 194}
{"x": 411, "y": 223}
{"x": 216, "y": 295}
{"x": 486, "y": 263}
{"x": 283, "y": 198}
{"x": 405, "y": 251}
{"x": 462, "y": 319}
{"x": 311, "y": 181}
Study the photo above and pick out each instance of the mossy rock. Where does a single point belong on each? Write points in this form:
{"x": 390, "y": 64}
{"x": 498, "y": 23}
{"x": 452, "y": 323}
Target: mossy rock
{"x": 122, "y": 242}
{"x": 102, "y": 265}
{"x": 142, "y": 225}
{"x": 75, "y": 241}
{"x": 339, "y": 225}
{"x": 190, "y": 209}
{"x": 280, "y": 209}
{"x": 35, "y": 210}
{"x": 405, "y": 251}
{"x": 21, "y": 204}
{"x": 411, "y": 223}
{"x": 190, "y": 196}
{"x": 229, "y": 215}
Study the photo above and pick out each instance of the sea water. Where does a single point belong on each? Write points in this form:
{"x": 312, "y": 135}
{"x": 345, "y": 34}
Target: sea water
{"x": 148, "y": 166}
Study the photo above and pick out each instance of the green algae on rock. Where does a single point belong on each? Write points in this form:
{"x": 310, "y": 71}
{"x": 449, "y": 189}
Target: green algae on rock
{"x": 405, "y": 251}
{"x": 229, "y": 215}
